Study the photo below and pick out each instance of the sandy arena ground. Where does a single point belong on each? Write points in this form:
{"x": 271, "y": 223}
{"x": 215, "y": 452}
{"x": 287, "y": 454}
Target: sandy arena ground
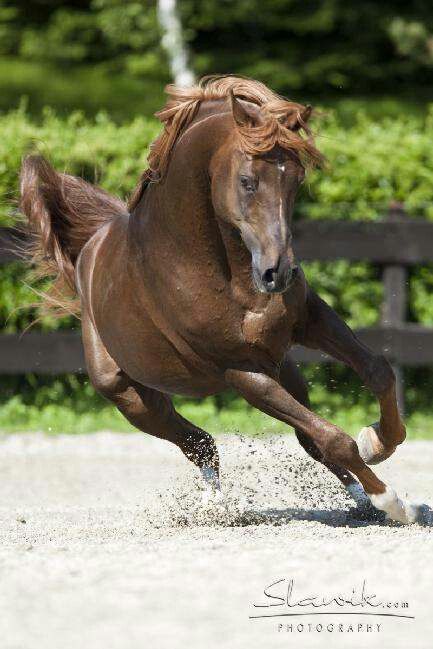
{"x": 102, "y": 545}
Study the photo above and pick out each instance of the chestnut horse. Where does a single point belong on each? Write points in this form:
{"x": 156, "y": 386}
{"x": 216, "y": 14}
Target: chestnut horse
{"x": 193, "y": 288}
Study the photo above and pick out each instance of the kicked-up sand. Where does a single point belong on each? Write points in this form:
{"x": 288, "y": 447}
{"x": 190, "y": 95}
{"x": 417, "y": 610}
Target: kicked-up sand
{"x": 104, "y": 544}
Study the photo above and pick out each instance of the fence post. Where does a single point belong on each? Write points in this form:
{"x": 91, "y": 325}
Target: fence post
{"x": 394, "y": 305}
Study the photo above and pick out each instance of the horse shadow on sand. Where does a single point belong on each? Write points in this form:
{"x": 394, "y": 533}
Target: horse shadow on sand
{"x": 352, "y": 518}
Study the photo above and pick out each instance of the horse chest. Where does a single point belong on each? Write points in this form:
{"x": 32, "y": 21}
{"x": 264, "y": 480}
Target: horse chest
{"x": 268, "y": 328}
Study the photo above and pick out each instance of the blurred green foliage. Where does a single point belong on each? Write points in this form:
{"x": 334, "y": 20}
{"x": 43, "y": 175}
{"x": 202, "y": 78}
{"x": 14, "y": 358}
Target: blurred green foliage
{"x": 123, "y": 34}
{"x": 313, "y": 46}
{"x": 93, "y": 54}
{"x": 87, "y": 89}
{"x": 319, "y": 45}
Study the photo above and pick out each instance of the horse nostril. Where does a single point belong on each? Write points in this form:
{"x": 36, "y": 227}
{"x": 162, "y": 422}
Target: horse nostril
{"x": 269, "y": 275}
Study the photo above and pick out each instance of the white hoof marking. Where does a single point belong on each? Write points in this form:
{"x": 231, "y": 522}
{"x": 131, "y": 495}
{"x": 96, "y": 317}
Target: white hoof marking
{"x": 398, "y": 510}
{"x": 210, "y": 476}
{"x": 212, "y": 494}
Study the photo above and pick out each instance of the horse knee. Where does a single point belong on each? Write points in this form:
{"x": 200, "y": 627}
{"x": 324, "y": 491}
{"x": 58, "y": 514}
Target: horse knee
{"x": 109, "y": 383}
{"x": 309, "y": 445}
{"x": 342, "y": 450}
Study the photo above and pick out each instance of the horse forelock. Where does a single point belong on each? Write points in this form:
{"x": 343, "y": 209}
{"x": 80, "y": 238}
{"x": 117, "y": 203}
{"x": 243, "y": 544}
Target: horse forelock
{"x": 182, "y": 107}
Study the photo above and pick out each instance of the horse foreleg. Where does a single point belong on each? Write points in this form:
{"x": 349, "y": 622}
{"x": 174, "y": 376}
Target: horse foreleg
{"x": 334, "y": 446}
{"x": 149, "y": 410}
{"x": 325, "y": 330}
{"x": 291, "y": 379}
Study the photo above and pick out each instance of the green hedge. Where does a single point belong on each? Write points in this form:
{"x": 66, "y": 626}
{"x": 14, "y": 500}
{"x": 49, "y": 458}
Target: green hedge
{"x": 99, "y": 151}
{"x": 369, "y": 164}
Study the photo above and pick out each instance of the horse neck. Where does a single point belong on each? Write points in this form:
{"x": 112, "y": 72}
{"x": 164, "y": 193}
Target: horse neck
{"x": 180, "y": 209}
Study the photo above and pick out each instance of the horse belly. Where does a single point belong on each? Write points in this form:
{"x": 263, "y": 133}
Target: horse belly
{"x": 149, "y": 358}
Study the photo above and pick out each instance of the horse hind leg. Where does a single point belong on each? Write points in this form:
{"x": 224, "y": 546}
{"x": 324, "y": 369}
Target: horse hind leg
{"x": 149, "y": 410}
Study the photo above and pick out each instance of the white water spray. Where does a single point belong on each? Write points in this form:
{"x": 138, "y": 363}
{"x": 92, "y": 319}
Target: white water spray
{"x": 173, "y": 43}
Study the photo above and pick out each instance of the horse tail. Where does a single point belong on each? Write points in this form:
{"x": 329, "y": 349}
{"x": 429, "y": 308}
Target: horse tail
{"x": 63, "y": 212}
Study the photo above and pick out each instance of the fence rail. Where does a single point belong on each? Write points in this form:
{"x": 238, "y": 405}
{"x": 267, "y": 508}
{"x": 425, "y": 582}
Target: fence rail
{"x": 395, "y": 244}
{"x": 61, "y": 351}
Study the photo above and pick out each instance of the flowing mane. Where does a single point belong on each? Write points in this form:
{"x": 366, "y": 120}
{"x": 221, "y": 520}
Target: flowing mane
{"x": 282, "y": 124}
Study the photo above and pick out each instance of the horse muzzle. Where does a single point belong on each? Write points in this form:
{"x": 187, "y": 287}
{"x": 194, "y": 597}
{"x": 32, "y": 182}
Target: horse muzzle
{"x": 274, "y": 278}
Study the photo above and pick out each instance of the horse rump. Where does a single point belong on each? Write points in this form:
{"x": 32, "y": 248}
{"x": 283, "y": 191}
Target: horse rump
{"x": 62, "y": 213}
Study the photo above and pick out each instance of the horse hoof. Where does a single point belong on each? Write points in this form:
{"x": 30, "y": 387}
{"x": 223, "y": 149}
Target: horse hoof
{"x": 370, "y": 447}
{"x": 402, "y": 511}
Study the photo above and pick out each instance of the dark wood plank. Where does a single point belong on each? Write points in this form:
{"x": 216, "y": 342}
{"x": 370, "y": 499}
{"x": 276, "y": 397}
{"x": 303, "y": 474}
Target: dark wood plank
{"x": 59, "y": 352}
{"x": 398, "y": 241}
{"x": 394, "y": 304}
{"x": 409, "y": 345}
{"x": 406, "y": 241}
{"x": 41, "y": 353}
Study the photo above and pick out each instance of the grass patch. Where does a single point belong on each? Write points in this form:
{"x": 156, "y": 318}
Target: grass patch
{"x": 69, "y": 404}
{"x": 17, "y": 416}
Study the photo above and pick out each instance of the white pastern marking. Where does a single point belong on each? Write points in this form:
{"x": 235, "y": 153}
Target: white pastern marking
{"x": 212, "y": 495}
{"x": 396, "y": 509}
{"x": 210, "y": 476}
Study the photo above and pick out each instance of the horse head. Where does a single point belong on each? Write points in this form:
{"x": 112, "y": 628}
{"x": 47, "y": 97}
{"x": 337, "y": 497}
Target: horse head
{"x": 254, "y": 185}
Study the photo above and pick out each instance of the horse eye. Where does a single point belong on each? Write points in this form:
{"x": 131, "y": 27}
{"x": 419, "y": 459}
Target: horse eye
{"x": 248, "y": 183}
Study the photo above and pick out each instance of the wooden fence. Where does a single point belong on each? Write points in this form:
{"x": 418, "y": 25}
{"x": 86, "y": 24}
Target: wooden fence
{"x": 395, "y": 244}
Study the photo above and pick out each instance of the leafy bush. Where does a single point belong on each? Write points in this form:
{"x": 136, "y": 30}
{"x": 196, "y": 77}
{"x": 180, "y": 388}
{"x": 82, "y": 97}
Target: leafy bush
{"x": 372, "y": 163}
{"x": 369, "y": 164}
{"x": 97, "y": 150}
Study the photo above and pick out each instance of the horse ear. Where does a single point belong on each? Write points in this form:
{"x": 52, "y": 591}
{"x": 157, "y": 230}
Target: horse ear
{"x": 245, "y": 113}
{"x": 297, "y": 119}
